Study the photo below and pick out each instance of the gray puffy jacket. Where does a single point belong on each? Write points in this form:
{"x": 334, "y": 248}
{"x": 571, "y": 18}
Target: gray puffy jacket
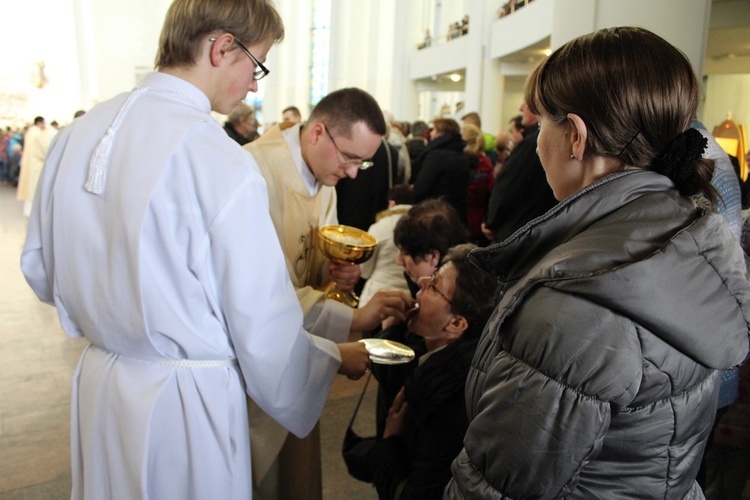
{"x": 597, "y": 377}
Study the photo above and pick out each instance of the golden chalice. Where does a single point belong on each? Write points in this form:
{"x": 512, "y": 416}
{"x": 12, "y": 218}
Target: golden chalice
{"x": 345, "y": 245}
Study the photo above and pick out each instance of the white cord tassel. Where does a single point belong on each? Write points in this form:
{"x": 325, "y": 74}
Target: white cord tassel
{"x": 100, "y": 159}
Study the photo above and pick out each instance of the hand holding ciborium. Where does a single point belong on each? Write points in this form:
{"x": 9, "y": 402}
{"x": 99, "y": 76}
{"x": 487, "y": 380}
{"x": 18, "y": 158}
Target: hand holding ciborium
{"x": 345, "y": 245}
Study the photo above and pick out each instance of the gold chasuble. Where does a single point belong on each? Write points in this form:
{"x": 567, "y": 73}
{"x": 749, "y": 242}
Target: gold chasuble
{"x": 283, "y": 465}
{"x": 296, "y": 215}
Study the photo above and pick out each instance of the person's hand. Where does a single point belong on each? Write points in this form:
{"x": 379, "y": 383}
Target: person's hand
{"x": 383, "y": 304}
{"x": 488, "y": 233}
{"x": 344, "y": 274}
{"x": 396, "y": 419}
{"x": 355, "y": 360}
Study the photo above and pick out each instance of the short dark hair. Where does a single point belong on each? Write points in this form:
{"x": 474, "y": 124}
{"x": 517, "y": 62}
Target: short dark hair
{"x": 432, "y": 225}
{"x": 294, "y": 110}
{"x": 418, "y": 129}
{"x": 446, "y": 125}
{"x": 476, "y": 293}
{"x": 341, "y": 109}
{"x": 38, "y": 120}
{"x": 518, "y": 123}
{"x": 402, "y": 194}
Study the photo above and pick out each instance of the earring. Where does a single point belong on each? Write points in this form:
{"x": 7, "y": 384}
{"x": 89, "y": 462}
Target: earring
{"x": 572, "y": 157}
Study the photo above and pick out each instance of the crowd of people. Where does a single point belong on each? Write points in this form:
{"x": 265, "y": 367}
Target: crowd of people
{"x": 573, "y": 288}
{"x": 456, "y": 29}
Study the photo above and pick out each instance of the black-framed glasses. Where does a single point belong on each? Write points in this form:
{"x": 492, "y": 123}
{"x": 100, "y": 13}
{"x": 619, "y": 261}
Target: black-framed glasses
{"x": 261, "y": 71}
{"x": 352, "y": 162}
{"x": 432, "y": 285}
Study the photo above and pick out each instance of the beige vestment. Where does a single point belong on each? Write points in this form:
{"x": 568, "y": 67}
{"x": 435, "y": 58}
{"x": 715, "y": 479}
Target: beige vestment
{"x": 283, "y": 465}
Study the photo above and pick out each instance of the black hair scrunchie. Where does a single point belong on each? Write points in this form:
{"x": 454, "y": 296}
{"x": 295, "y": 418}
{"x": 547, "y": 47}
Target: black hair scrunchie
{"x": 678, "y": 159}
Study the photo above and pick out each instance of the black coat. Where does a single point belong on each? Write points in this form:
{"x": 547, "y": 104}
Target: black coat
{"x": 521, "y": 192}
{"x": 443, "y": 171}
{"x": 434, "y": 431}
{"x": 359, "y": 200}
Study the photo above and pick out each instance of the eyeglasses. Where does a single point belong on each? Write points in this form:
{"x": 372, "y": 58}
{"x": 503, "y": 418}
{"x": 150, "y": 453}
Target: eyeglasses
{"x": 432, "y": 285}
{"x": 350, "y": 162}
{"x": 261, "y": 71}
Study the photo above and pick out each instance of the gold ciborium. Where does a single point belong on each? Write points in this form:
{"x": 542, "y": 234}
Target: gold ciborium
{"x": 345, "y": 245}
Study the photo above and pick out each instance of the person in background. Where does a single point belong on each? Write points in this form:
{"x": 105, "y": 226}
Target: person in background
{"x": 503, "y": 143}
{"x": 360, "y": 199}
{"x": 417, "y": 142}
{"x": 427, "y": 420}
{"x": 396, "y": 136}
{"x": 240, "y": 123}
{"x": 302, "y": 164}
{"x": 480, "y": 186}
{"x": 516, "y": 129}
{"x": 621, "y": 402}
{"x": 522, "y": 192}
{"x": 729, "y": 205}
{"x": 291, "y": 115}
{"x": 490, "y": 148}
{"x": 382, "y": 271}
{"x": 151, "y": 235}
{"x": 35, "y": 144}
{"x": 443, "y": 169}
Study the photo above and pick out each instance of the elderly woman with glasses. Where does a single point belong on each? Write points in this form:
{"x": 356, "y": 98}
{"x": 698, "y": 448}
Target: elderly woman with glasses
{"x": 426, "y": 423}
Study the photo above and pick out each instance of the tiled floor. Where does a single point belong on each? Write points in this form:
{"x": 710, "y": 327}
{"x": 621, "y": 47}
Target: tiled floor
{"x": 36, "y": 365}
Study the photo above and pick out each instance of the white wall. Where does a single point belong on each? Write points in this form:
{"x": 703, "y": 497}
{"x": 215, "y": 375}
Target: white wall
{"x": 27, "y": 38}
{"x": 726, "y": 94}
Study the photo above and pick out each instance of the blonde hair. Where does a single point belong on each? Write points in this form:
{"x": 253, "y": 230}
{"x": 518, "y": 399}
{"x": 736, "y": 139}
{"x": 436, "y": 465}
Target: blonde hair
{"x": 188, "y": 21}
{"x": 474, "y": 139}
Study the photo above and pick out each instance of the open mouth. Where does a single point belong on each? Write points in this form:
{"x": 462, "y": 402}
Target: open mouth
{"x": 411, "y": 313}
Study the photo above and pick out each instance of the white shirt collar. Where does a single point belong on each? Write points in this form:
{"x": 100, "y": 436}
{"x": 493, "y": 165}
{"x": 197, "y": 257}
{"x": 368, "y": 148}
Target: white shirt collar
{"x": 291, "y": 136}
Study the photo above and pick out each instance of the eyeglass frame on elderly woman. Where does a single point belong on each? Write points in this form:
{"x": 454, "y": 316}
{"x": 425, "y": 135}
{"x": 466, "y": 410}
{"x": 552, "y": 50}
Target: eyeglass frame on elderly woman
{"x": 261, "y": 72}
{"x": 358, "y": 162}
{"x": 431, "y": 285}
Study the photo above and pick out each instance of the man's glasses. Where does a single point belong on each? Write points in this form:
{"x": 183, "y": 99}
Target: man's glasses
{"x": 350, "y": 162}
{"x": 261, "y": 71}
{"x": 432, "y": 285}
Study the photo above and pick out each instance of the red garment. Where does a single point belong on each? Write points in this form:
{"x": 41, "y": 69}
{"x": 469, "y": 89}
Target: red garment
{"x": 477, "y": 197}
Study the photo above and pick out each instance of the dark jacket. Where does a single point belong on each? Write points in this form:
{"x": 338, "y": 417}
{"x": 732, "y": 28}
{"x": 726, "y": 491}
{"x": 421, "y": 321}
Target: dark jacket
{"x": 433, "y": 434}
{"x": 596, "y": 376}
{"x": 521, "y": 191}
{"x": 236, "y": 136}
{"x": 444, "y": 172}
{"x": 359, "y": 200}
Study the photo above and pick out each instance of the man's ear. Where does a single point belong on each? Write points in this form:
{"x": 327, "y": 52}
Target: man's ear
{"x": 578, "y": 136}
{"x": 313, "y": 131}
{"x": 220, "y": 48}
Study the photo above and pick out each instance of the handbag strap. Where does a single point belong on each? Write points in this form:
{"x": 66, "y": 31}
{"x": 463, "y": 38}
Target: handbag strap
{"x": 359, "y": 402}
{"x": 390, "y": 172}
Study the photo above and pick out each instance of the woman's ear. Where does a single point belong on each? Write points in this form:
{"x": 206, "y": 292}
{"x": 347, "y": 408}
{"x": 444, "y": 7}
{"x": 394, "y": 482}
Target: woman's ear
{"x": 578, "y": 136}
{"x": 457, "y": 326}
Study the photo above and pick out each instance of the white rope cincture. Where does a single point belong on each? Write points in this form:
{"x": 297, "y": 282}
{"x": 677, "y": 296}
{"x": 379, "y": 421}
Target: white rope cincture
{"x": 193, "y": 363}
{"x": 100, "y": 158}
